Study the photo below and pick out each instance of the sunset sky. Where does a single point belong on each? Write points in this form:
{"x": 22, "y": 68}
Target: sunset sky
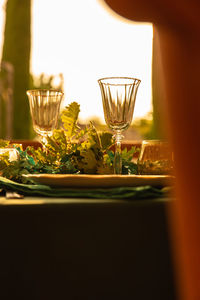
{"x": 85, "y": 42}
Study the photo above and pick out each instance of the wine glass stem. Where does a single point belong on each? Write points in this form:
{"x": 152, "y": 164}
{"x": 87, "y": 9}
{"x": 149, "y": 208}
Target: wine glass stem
{"x": 118, "y": 157}
{"x": 44, "y": 142}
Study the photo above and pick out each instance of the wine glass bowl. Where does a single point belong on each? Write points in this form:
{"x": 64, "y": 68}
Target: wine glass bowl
{"x": 156, "y": 158}
{"x": 45, "y": 108}
{"x": 118, "y": 97}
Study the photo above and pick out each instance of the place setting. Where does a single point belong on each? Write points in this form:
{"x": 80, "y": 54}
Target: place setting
{"x": 83, "y": 162}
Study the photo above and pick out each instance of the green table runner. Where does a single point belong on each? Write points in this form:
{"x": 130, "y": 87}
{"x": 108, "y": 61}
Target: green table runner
{"x": 141, "y": 192}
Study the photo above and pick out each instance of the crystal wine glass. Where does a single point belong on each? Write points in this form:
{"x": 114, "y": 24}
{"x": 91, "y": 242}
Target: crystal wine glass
{"x": 156, "y": 158}
{"x": 45, "y": 109}
{"x": 118, "y": 97}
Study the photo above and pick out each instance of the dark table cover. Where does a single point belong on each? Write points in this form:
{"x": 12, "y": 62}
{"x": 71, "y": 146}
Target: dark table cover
{"x": 85, "y": 249}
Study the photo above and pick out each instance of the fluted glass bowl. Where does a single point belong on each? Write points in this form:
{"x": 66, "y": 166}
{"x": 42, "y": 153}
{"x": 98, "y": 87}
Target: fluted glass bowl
{"x": 156, "y": 158}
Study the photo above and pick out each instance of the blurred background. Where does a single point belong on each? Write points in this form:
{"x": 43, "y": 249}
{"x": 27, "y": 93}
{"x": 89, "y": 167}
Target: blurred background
{"x": 69, "y": 45}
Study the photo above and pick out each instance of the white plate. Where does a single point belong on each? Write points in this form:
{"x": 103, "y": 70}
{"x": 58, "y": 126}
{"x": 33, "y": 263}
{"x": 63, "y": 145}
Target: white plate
{"x": 88, "y": 181}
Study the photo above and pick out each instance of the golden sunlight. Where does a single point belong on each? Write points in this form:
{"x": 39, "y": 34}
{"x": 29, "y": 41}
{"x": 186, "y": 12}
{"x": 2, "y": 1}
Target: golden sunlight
{"x": 2, "y": 17}
{"x": 85, "y": 42}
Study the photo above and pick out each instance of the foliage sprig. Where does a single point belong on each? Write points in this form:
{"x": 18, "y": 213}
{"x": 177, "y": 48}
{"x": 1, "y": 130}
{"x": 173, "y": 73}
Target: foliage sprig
{"x": 69, "y": 150}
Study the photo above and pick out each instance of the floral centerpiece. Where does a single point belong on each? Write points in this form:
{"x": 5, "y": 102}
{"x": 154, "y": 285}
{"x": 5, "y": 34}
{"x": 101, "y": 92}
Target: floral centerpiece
{"x": 69, "y": 150}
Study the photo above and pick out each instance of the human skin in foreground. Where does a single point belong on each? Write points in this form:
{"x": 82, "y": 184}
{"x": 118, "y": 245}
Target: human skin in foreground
{"x": 177, "y": 26}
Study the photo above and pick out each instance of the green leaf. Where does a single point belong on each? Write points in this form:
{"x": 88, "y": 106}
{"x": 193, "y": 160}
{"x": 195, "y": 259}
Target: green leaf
{"x": 4, "y": 160}
{"x": 69, "y": 118}
{"x": 88, "y": 163}
{"x": 128, "y": 166}
{"x": 4, "y": 143}
{"x": 106, "y": 140}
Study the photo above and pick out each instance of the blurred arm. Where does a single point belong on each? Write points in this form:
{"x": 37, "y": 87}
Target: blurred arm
{"x": 178, "y": 34}
{"x": 177, "y": 13}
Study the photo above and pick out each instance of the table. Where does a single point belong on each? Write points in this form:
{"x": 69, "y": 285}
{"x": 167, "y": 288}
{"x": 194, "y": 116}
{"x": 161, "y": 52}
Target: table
{"x": 85, "y": 249}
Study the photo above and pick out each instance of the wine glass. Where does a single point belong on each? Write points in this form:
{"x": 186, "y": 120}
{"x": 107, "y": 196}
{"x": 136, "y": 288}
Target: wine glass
{"x": 156, "y": 158}
{"x": 118, "y": 97}
{"x": 45, "y": 108}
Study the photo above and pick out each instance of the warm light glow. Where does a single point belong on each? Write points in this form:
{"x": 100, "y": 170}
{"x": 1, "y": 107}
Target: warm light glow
{"x": 2, "y": 19}
{"x": 85, "y": 42}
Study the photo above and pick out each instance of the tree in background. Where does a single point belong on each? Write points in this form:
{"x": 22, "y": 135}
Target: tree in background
{"x": 16, "y": 51}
